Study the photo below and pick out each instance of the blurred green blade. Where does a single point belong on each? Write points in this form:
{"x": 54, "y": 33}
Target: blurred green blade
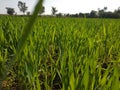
{"x": 28, "y": 28}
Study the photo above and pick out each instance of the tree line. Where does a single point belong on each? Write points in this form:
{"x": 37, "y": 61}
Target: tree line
{"x": 101, "y": 13}
{"x": 23, "y": 8}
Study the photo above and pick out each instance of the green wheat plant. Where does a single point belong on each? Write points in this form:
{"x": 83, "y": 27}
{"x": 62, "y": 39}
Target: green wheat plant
{"x": 51, "y": 53}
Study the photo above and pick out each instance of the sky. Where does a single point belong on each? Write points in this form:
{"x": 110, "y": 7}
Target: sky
{"x": 63, "y": 6}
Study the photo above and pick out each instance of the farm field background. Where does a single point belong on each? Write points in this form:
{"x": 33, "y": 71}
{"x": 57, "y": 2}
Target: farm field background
{"x": 60, "y": 53}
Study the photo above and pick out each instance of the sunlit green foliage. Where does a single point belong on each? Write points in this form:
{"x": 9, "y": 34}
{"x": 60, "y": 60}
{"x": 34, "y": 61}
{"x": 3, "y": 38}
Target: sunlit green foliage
{"x": 60, "y": 53}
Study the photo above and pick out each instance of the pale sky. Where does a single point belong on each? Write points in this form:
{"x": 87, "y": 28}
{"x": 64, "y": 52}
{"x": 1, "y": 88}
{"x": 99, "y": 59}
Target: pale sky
{"x": 63, "y": 6}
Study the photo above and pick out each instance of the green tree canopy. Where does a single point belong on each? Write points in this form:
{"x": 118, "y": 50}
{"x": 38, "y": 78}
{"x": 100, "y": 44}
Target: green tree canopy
{"x": 22, "y": 6}
{"x": 54, "y": 10}
{"x": 10, "y": 11}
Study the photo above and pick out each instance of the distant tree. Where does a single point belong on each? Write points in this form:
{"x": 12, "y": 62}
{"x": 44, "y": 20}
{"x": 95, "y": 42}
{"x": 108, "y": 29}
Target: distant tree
{"x": 28, "y": 13}
{"x": 118, "y": 10}
{"x": 42, "y": 10}
{"x": 74, "y": 15}
{"x": 22, "y": 6}
{"x": 81, "y": 15}
{"x": 117, "y": 13}
{"x": 10, "y": 11}
{"x": 93, "y": 14}
{"x": 59, "y": 15}
{"x": 86, "y": 15}
{"x": 100, "y": 12}
{"x": 105, "y": 8}
{"x": 67, "y": 15}
{"x": 54, "y": 10}
{"x": 109, "y": 15}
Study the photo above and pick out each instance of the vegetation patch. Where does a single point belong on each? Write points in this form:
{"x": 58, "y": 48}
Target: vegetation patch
{"x": 60, "y": 53}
